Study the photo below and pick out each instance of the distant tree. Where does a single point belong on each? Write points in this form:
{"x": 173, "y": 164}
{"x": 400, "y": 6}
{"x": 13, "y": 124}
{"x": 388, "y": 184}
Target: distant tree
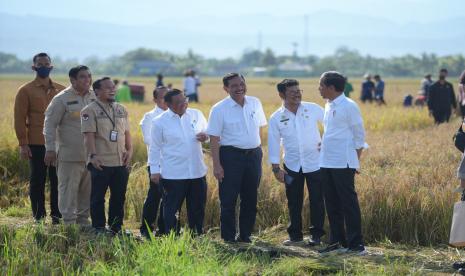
{"x": 268, "y": 58}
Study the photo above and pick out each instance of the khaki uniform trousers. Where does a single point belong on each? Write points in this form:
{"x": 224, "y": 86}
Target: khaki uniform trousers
{"x": 74, "y": 192}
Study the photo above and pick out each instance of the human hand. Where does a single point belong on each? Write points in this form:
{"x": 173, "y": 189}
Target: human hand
{"x": 50, "y": 158}
{"x": 218, "y": 172}
{"x": 25, "y": 152}
{"x": 201, "y": 137}
{"x": 155, "y": 178}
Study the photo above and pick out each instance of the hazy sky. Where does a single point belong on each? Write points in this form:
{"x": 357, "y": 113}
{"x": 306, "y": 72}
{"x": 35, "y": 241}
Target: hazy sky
{"x": 136, "y": 12}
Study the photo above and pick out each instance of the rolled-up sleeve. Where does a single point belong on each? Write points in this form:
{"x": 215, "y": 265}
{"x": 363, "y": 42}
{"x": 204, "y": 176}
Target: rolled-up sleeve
{"x": 53, "y": 116}
{"x": 155, "y": 144}
{"x": 274, "y": 142}
{"x": 356, "y": 125}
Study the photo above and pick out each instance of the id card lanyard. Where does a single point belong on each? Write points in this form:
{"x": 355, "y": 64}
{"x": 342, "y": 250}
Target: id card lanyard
{"x": 113, "y": 133}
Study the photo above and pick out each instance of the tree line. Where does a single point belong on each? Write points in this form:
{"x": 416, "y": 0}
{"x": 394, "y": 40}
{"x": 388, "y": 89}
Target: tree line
{"x": 346, "y": 60}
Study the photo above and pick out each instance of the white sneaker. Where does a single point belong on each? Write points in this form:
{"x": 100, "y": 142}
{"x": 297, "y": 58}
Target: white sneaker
{"x": 294, "y": 243}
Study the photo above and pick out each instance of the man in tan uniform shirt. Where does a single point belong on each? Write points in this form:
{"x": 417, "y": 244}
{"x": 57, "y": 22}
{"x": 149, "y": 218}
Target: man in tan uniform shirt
{"x": 108, "y": 144}
{"x": 30, "y": 103}
{"x": 63, "y": 127}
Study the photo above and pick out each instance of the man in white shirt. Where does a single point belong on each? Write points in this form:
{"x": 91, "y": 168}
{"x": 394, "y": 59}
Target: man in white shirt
{"x": 154, "y": 195}
{"x": 341, "y": 147}
{"x": 176, "y": 160}
{"x": 235, "y": 128}
{"x": 190, "y": 86}
{"x": 295, "y": 126}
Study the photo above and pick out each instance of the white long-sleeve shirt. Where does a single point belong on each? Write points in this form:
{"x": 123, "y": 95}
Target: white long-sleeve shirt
{"x": 190, "y": 85}
{"x": 174, "y": 151}
{"x": 343, "y": 134}
{"x": 146, "y": 125}
{"x": 298, "y": 134}
{"x": 236, "y": 125}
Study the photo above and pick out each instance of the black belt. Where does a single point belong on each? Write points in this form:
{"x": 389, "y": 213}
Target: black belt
{"x": 243, "y": 151}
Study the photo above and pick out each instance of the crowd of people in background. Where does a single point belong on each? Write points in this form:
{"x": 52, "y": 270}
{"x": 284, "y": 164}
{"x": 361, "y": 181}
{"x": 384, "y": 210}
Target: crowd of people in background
{"x": 79, "y": 135}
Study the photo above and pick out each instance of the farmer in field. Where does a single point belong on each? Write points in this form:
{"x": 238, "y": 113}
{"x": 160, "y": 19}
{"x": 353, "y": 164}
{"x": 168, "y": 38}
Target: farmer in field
{"x": 295, "y": 126}
{"x": 65, "y": 142}
{"x": 190, "y": 86}
{"x": 30, "y": 104}
{"x": 235, "y": 126}
{"x": 341, "y": 147}
{"x": 176, "y": 160}
{"x": 379, "y": 90}
{"x": 367, "y": 89}
{"x": 441, "y": 99}
{"x": 153, "y": 201}
{"x": 109, "y": 151}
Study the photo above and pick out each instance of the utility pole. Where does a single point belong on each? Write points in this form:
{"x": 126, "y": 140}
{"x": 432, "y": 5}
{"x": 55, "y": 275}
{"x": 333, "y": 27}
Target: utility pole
{"x": 305, "y": 52}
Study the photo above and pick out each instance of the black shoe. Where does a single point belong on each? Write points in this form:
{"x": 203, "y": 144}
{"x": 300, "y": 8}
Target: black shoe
{"x": 335, "y": 247}
{"x": 244, "y": 240}
{"x": 230, "y": 241}
{"x": 56, "y": 221}
{"x": 458, "y": 265}
{"x": 461, "y": 271}
{"x": 146, "y": 234}
{"x": 314, "y": 241}
{"x": 359, "y": 250}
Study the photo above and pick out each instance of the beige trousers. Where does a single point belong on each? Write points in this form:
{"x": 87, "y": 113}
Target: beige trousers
{"x": 74, "y": 192}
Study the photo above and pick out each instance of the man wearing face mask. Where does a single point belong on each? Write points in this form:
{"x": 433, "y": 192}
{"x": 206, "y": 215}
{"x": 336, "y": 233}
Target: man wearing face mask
{"x": 108, "y": 144}
{"x": 63, "y": 127}
{"x": 441, "y": 99}
{"x": 30, "y": 104}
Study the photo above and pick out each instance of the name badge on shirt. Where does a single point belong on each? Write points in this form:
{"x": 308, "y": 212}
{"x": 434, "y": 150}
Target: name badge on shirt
{"x": 113, "y": 136}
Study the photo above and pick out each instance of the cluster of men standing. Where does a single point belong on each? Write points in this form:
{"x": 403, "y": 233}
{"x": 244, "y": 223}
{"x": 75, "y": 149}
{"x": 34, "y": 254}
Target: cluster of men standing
{"x": 85, "y": 134}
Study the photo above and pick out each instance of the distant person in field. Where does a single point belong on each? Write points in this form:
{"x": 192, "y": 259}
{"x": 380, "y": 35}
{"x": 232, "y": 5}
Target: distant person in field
{"x": 408, "y": 99}
{"x": 235, "y": 128}
{"x": 198, "y": 83}
{"x": 368, "y": 87}
{"x": 379, "y": 90}
{"x": 441, "y": 98}
{"x": 461, "y": 97}
{"x": 153, "y": 202}
{"x": 65, "y": 142}
{"x": 341, "y": 147}
{"x": 159, "y": 81}
{"x": 348, "y": 88}
{"x": 425, "y": 85}
{"x": 123, "y": 93}
{"x": 190, "y": 86}
{"x": 31, "y": 102}
{"x": 177, "y": 162}
{"x": 294, "y": 126}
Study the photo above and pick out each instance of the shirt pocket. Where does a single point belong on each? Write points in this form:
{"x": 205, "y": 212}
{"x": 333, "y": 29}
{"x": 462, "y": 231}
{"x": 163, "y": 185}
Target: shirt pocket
{"x": 285, "y": 129}
{"x": 233, "y": 126}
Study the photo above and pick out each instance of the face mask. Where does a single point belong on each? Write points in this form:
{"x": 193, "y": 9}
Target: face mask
{"x": 442, "y": 77}
{"x": 43, "y": 72}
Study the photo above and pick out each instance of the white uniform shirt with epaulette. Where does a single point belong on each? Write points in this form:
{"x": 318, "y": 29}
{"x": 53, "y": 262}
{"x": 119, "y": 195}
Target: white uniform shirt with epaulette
{"x": 97, "y": 117}
{"x": 62, "y": 126}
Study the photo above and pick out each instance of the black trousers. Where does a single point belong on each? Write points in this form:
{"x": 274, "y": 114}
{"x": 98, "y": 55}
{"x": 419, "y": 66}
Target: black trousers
{"x": 441, "y": 116}
{"x": 193, "y": 97}
{"x": 174, "y": 193}
{"x": 116, "y": 178}
{"x": 38, "y": 175}
{"x": 152, "y": 204}
{"x": 295, "y": 196}
{"x": 242, "y": 174}
{"x": 342, "y": 207}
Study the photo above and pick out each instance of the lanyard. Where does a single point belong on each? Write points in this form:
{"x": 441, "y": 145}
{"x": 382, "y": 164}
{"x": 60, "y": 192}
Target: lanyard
{"x": 114, "y": 119}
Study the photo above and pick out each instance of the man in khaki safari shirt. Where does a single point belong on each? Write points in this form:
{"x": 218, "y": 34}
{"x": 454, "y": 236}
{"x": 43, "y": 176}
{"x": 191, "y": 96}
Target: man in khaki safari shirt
{"x": 63, "y": 128}
{"x": 108, "y": 144}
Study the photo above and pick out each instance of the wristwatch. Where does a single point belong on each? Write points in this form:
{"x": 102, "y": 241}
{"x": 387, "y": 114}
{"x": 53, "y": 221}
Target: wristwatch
{"x": 275, "y": 169}
{"x": 92, "y": 155}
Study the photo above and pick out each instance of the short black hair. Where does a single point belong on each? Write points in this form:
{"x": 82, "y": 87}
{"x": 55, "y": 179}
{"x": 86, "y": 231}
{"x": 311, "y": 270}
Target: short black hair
{"x": 155, "y": 91}
{"x": 230, "y": 76}
{"x": 73, "y": 72}
{"x": 170, "y": 94}
{"x": 443, "y": 70}
{"x": 41, "y": 55}
{"x": 335, "y": 79}
{"x": 377, "y": 76}
{"x": 98, "y": 83}
{"x": 285, "y": 84}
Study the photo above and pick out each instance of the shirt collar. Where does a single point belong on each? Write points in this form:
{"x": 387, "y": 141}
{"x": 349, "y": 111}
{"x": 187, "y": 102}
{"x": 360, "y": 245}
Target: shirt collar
{"x": 338, "y": 100}
{"x": 233, "y": 103}
{"x": 44, "y": 83}
{"x": 105, "y": 105}
{"x": 285, "y": 110}
{"x": 172, "y": 114}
